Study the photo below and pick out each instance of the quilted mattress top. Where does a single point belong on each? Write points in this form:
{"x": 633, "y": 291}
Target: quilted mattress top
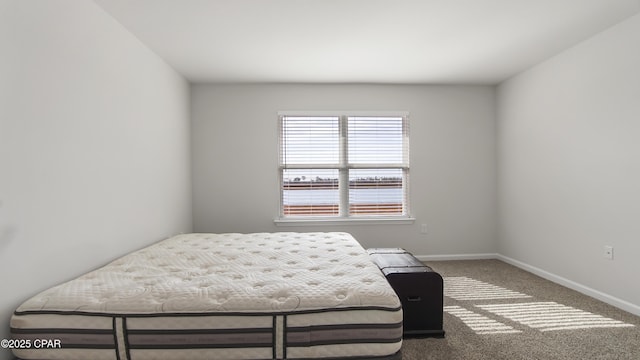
{"x": 260, "y": 272}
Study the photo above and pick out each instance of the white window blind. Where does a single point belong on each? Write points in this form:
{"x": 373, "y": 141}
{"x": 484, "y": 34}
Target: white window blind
{"x": 344, "y": 166}
{"x": 310, "y": 140}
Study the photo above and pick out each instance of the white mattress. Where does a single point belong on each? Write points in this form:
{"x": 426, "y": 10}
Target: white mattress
{"x": 221, "y": 296}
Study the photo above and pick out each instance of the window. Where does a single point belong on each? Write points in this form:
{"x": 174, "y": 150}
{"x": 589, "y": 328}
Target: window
{"x": 344, "y": 165}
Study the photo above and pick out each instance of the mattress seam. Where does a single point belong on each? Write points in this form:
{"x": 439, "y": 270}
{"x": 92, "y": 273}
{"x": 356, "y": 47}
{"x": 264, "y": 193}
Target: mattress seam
{"x": 221, "y": 313}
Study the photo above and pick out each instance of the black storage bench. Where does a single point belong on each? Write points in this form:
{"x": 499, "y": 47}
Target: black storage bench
{"x": 419, "y": 288}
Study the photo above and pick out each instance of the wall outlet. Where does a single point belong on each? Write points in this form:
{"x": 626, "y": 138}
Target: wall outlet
{"x": 608, "y": 252}
{"x": 423, "y": 228}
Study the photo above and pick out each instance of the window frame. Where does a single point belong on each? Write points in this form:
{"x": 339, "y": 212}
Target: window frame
{"x": 344, "y": 168}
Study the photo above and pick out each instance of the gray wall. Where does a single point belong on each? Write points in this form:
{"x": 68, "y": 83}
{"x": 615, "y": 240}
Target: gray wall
{"x": 234, "y": 140}
{"x": 94, "y": 146}
{"x": 569, "y": 165}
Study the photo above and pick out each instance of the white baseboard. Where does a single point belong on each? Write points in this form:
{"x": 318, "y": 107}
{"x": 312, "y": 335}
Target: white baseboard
{"x": 456, "y": 257}
{"x": 611, "y": 300}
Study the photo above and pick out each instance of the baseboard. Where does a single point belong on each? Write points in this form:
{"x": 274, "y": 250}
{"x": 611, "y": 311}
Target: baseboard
{"x": 611, "y": 300}
{"x": 456, "y": 257}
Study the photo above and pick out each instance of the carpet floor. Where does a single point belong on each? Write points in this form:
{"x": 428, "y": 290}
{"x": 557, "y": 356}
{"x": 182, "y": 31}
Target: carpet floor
{"x": 496, "y": 311}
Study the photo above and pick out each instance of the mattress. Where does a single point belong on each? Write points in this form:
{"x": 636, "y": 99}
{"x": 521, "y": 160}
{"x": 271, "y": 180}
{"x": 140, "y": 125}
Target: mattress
{"x": 219, "y": 296}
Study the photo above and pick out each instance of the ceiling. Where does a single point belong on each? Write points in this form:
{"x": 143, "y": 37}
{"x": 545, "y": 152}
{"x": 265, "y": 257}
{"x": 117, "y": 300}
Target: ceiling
{"x": 362, "y": 41}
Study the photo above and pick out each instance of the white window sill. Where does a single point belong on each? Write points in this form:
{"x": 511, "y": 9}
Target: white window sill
{"x": 343, "y": 221}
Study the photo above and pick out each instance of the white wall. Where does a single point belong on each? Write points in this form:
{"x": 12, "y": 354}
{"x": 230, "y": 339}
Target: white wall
{"x": 94, "y": 146}
{"x": 234, "y": 139}
{"x": 569, "y": 164}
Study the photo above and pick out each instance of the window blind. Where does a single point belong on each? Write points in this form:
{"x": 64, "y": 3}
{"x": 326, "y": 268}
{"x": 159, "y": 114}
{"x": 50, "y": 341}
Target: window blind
{"x": 378, "y": 162}
{"x": 378, "y": 141}
{"x": 343, "y": 165}
{"x": 309, "y": 161}
{"x": 310, "y": 141}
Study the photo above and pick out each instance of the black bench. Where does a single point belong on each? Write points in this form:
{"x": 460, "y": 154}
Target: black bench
{"x": 419, "y": 288}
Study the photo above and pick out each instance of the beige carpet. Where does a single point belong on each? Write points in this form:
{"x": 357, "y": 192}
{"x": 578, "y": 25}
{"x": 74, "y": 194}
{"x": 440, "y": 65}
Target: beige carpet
{"x": 496, "y": 311}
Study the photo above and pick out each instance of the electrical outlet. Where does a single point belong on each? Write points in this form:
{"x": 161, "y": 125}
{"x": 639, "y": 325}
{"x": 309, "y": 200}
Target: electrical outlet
{"x": 608, "y": 252}
{"x": 423, "y": 228}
